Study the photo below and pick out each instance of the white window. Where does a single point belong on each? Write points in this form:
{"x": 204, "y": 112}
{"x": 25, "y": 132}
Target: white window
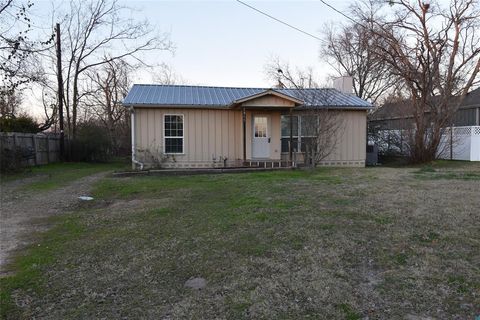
{"x": 173, "y": 133}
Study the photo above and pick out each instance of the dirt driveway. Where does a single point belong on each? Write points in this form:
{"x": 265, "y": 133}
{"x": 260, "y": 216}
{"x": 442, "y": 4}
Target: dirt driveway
{"x": 22, "y": 212}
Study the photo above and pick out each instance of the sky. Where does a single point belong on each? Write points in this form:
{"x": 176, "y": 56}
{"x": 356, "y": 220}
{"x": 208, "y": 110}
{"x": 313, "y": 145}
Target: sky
{"x": 223, "y": 43}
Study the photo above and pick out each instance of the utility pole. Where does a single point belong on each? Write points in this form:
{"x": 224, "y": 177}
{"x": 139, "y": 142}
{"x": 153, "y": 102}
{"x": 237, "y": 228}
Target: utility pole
{"x": 60, "y": 92}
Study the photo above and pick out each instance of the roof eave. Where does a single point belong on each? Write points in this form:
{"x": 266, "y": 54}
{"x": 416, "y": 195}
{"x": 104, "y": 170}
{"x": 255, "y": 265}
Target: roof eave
{"x": 339, "y": 107}
{"x": 166, "y": 106}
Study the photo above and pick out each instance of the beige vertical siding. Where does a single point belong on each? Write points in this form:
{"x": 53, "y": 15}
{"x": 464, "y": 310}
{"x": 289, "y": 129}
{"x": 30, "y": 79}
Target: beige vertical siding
{"x": 211, "y": 135}
{"x": 268, "y": 101}
{"x": 351, "y": 141}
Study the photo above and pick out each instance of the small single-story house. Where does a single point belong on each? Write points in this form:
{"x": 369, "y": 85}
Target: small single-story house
{"x": 175, "y": 126}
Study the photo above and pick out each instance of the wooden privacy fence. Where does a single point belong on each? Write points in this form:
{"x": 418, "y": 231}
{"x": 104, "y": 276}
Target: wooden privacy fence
{"x": 36, "y": 149}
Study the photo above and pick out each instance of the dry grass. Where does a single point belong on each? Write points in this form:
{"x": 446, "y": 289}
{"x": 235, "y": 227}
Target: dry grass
{"x": 382, "y": 243}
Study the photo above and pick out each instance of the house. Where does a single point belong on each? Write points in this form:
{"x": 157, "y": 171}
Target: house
{"x": 399, "y": 115}
{"x": 390, "y": 125}
{"x": 199, "y": 126}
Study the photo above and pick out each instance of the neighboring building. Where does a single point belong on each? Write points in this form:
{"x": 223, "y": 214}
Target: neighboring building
{"x": 198, "y": 126}
{"x": 389, "y": 127}
{"x": 398, "y": 115}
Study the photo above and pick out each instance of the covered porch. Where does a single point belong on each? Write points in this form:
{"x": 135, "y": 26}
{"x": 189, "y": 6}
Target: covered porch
{"x": 261, "y": 128}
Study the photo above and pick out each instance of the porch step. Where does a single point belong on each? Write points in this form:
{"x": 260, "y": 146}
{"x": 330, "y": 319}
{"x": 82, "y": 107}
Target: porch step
{"x": 269, "y": 164}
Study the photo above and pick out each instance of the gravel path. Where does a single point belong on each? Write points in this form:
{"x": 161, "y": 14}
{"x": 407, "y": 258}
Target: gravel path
{"x": 22, "y": 213}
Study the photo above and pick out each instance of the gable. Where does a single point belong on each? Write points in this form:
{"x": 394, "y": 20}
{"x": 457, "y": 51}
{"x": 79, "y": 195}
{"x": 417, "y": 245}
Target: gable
{"x": 269, "y": 100}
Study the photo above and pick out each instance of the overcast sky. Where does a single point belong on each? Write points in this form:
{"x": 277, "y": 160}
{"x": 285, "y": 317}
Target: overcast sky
{"x": 225, "y": 43}
{"x": 222, "y": 43}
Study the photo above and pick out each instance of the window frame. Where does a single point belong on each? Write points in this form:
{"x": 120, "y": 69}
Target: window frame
{"x": 165, "y": 137}
{"x": 299, "y": 135}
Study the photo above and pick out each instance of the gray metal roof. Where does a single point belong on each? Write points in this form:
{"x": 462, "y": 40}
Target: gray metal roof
{"x": 202, "y": 96}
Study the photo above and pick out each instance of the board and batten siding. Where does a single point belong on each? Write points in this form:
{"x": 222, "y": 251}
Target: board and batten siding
{"x": 350, "y": 149}
{"x": 209, "y": 136}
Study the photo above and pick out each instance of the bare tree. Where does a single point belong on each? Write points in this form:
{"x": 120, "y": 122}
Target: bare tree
{"x": 168, "y": 76}
{"x": 436, "y": 52}
{"x": 322, "y": 128}
{"x": 285, "y": 77}
{"x": 10, "y": 102}
{"x": 321, "y": 125}
{"x": 348, "y": 49}
{"x": 109, "y": 84}
{"x": 97, "y": 33}
{"x": 14, "y": 44}
{"x": 18, "y": 52}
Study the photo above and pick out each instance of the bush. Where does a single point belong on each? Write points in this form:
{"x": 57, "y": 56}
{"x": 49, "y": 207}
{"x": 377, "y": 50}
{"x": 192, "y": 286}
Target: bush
{"x": 22, "y": 123}
{"x": 11, "y": 160}
{"x": 92, "y": 144}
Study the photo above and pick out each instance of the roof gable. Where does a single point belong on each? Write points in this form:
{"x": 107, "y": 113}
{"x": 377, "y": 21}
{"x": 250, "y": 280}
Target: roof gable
{"x": 267, "y": 98}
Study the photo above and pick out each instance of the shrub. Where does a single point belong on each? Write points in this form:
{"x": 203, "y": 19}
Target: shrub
{"x": 23, "y": 123}
{"x": 11, "y": 160}
{"x": 92, "y": 143}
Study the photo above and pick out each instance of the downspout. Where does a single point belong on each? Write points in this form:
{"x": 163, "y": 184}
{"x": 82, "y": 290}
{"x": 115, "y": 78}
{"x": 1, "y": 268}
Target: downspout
{"x": 244, "y": 133}
{"x": 132, "y": 118}
{"x": 290, "y": 149}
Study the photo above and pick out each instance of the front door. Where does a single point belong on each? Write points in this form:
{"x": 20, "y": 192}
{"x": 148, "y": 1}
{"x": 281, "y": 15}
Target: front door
{"x": 261, "y": 137}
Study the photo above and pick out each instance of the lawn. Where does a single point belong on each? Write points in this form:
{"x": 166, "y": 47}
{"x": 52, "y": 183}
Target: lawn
{"x": 382, "y": 243}
{"x": 55, "y": 175}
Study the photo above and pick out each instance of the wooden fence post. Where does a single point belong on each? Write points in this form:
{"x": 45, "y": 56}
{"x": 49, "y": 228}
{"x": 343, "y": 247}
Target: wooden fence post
{"x": 35, "y": 148}
{"x": 15, "y": 142}
{"x": 48, "y": 148}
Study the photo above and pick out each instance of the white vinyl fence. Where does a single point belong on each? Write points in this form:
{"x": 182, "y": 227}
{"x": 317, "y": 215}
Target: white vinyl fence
{"x": 462, "y": 143}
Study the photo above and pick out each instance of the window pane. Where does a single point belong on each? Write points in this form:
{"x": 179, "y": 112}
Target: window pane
{"x": 173, "y": 126}
{"x": 286, "y": 142}
{"x": 309, "y": 125}
{"x": 260, "y": 124}
{"x": 174, "y": 145}
{"x": 305, "y": 142}
{"x": 286, "y": 125}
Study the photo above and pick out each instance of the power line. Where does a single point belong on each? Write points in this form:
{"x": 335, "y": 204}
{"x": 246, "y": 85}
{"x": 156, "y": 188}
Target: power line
{"x": 359, "y": 24}
{"x": 282, "y": 22}
{"x": 340, "y": 12}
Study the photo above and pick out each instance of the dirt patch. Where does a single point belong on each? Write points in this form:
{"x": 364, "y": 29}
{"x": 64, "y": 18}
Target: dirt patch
{"x": 23, "y": 212}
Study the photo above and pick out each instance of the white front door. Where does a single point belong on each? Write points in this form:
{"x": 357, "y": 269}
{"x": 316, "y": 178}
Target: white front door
{"x": 261, "y": 137}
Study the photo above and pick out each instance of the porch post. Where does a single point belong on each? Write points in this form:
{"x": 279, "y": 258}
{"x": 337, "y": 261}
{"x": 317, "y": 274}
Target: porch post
{"x": 244, "y": 129}
{"x": 290, "y": 147}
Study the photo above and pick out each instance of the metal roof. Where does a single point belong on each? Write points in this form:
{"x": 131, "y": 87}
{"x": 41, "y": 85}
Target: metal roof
{"x": 202, "y": 96}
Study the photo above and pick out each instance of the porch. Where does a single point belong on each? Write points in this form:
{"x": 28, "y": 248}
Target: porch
{"x": 262, "y": 129}
{"x": 270, "y": 164}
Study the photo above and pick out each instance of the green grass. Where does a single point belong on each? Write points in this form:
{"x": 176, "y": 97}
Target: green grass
{"x": 350, "y": 314}
{"x": 323, "y": 243}
{"x": 448, "y": 170}
{"x": 430, "y": 173}
{"x": 30, "y": 265}
{"x": 55, "y": 175}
